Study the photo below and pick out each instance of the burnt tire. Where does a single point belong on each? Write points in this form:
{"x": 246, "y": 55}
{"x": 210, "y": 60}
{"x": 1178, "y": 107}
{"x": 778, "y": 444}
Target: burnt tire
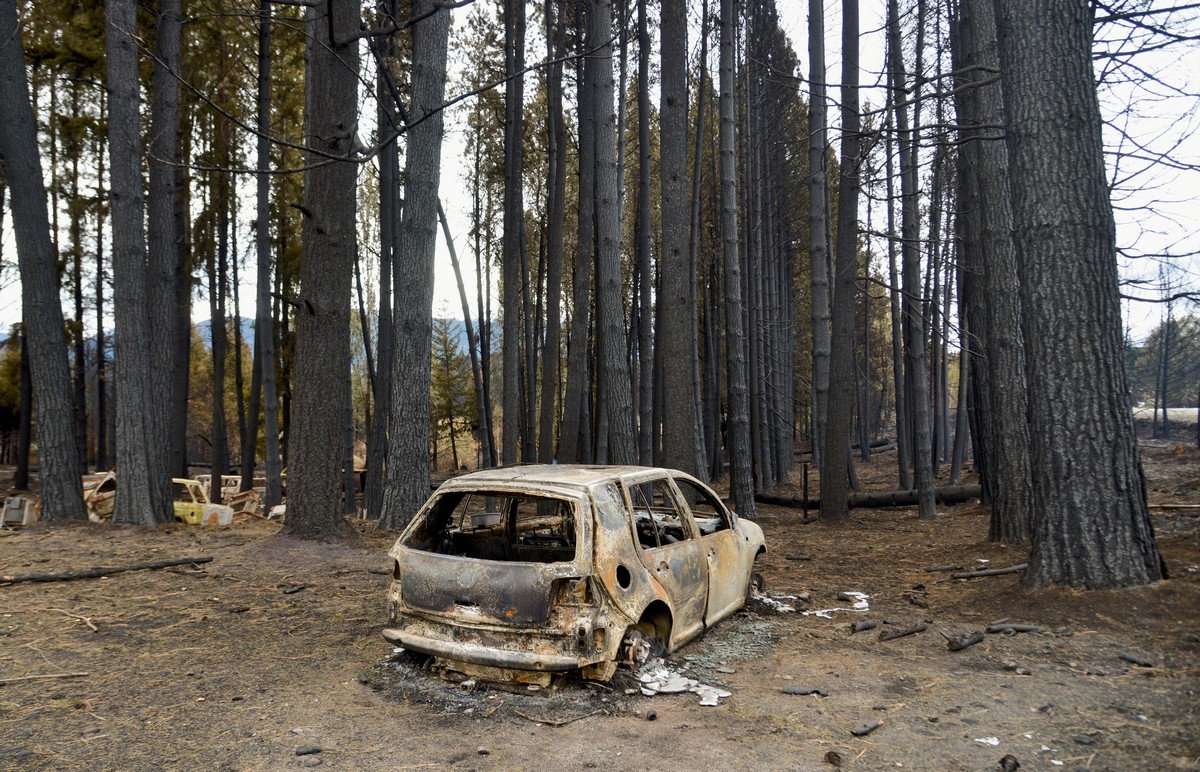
{"x": 755, "y": 586}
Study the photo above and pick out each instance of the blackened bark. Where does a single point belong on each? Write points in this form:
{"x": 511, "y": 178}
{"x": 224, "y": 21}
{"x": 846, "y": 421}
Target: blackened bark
{"x": 572, "y": 447}
{"x": 46, "y": 345}
{"x": 996, "y": 350}
{"x": 165, "y": 258}
{"x": 139, "y": 494}
{"x": 741, "y": 480}
{"x": 514, "y": 212}
{"x": 1093, "y": 529}
{"x": 683, "y": 443}
{"x": 406, "y": 478}
{"x": 556, "y": 210}
{"x": 916, "y": 365}
{"x": 612, "y": 366}
{"x": 835, "y": 459}
{"x": 323, "y": 318}
{"x": 646, "y": 429}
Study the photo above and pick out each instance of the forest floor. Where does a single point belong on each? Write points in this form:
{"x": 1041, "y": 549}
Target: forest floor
{"x": 272, "y": 651}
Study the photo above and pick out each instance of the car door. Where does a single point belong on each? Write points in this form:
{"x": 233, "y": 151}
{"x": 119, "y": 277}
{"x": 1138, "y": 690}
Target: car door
{"x": 721, "y": 544}
{"x": 673, "y": 553}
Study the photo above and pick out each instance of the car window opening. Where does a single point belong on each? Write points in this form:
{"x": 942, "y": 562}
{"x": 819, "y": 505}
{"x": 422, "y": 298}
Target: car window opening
{"x": 708, "y": 513}
{"x": 656, "y": 515}
{"x": 493, "y": 525}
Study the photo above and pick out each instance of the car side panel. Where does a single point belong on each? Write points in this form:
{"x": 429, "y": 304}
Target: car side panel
{"x": 614, "y": 550}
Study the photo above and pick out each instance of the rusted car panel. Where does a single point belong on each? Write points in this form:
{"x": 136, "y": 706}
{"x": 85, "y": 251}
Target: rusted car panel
{"x": 512, "y": 574}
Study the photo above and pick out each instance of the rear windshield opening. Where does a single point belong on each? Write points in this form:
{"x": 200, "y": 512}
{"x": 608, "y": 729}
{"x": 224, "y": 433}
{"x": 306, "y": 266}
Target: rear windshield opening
{"x": 490, "y": 525}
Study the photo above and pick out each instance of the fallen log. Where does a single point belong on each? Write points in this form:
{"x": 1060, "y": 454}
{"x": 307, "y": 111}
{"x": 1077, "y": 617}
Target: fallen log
{"x": 892, "y": 633}
{"x": 995, "y": 628}
{"x": 960, "y": 642}
{"x": 1018, "y": 568}
{"x": 93, "y": 573}
{"x": 949, "y": 494}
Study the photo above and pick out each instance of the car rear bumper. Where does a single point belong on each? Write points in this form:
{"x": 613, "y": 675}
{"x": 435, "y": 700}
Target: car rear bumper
{"x": 483, "y": 655}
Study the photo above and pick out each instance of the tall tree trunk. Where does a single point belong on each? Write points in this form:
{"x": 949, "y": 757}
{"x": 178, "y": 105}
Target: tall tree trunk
{"x": 556, "y": 208}
{"x": 1094, "y": 528}
{"x": 706, "y": 444}
{"x": 25, "y": 419}
{"x": 73, "y": 147}
{"x": 835, "y": 461}
{"x": 406, "y": 478}
{"x": 916, "y": 366}
{"x": 646, "y": 430}
{"x": 264, "y": 328}
{"x": 47, "y": 346}
{"x": 485, "y": 437}
{"x": 903, "y": 442}
{"x": 818, "y": 236}
{"x": 741, "y": 480}
{"x": 612, "y": 365}
{"x": 997, "y": 351}
{"x": 217, "y": 325}
{"x": 139, "y": 492}
{"x": 683, "y": 443}
{"x": 164, "y": 269}
{"x": 572, "y": 448}
{"x": 323, "y": 317}
{"x": 514, "y": 214}
{"x": 102, "y": 414}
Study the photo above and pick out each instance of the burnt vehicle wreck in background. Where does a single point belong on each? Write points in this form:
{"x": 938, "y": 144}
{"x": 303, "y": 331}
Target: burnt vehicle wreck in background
{"x": 515, "y": 574}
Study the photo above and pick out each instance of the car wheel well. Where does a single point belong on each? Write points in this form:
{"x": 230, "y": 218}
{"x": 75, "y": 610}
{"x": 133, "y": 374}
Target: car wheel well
{"x": 657, "y": 618}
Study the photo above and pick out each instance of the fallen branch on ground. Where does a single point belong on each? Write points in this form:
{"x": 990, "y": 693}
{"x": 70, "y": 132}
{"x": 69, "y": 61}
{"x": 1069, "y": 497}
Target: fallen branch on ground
{"x": 4, "y": 681}
{"x": 1018, "y": 568}
{"x": 93, "y": 573}
{"x": 555, "y": 721}
{"x": 960, "y": 642}
{"x": 992, "y": 629}
{"x": 891, "y": 633}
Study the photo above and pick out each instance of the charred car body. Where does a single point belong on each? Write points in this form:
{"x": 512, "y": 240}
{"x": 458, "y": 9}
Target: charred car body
{"x": 515, "y": 574}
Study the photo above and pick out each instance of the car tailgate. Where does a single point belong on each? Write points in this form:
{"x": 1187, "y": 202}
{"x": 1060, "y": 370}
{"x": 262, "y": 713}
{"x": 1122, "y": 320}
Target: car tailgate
{"x": 509, "y": 593}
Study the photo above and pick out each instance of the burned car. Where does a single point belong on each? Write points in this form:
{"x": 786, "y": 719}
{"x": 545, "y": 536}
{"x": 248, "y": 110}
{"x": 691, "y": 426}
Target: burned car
{"x": 519, "y": 573}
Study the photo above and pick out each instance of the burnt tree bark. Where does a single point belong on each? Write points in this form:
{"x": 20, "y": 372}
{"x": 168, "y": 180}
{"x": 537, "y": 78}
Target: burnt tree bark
{"x": 43, "y": 318}
{"x": 406, "y": 478}
{"x": 741, "y": 476}
{"x": 835, "y": 459}
{"x": 1084, "y": 446}
{"x": 323, "y": 316}
{"x": 140, "y": 497}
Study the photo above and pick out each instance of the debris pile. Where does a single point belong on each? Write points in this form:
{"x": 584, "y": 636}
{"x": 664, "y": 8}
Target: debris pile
{"x": 657, "y": 678}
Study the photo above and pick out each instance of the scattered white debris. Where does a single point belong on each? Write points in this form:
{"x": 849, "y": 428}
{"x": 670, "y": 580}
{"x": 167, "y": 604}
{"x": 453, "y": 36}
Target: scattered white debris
{"x": 1028, "y": 735}
{"x": 982, "y": 560}
{"x": 776, "y": 602}
{"x": 988, "y": 740}
{"x": 861, "y": 602}
{"x": 657, "y": 678}
{"x": 1056, "y": 762}
{"x": 1047, "y": 749}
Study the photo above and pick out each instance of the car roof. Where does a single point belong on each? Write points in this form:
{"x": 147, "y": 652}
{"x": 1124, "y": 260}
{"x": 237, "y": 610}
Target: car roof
{"x": 572, "y": 475}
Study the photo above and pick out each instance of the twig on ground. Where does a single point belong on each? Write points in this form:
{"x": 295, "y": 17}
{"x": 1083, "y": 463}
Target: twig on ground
{"x": 556, "y": 722}
{"x": 4, "y": 681}
{"x": 1019, "y": 567}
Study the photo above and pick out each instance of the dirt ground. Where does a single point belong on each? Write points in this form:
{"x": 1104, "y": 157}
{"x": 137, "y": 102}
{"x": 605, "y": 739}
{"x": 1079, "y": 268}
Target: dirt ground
{"x": 270, "y": 657}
